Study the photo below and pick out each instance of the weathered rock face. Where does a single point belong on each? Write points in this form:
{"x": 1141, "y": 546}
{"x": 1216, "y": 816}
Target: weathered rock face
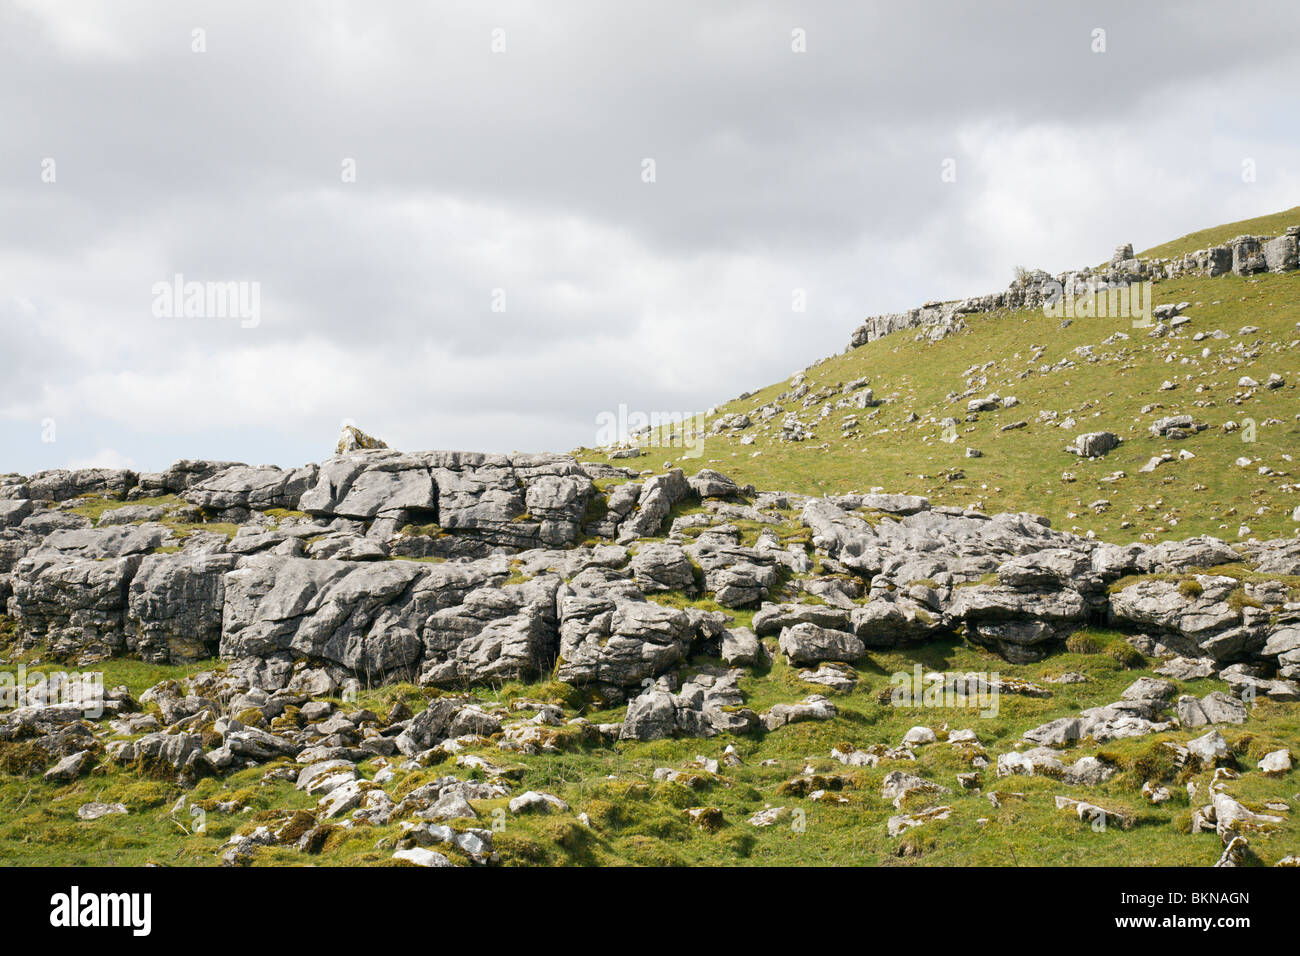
{"x": 233, "y": 492}
{"x": 738, "y": 576}
{"x": 174, "y": 606}
{"x": 72, "y": 590}
{"x": 1284, "y": 643}
{"x": 368, "y": 617}
{"x": 486, "y": 501}
{"x": 500, "y": 633}
{"x": 940, "y": 319}
{"x": 14, "y": 511}
{"x": 927, "y": 572}
{"x": 740, "y": 647}
{"x": 78, "y": 606}
{"x": 508, "y": 594}
{"x": 947, "y": 541}
{"x": 520, "y": 502}
{"x": 618, "y": 505}
{"x": 62, "y": 485}
{"x": 662, "y": 567}
{"x": 180, "y": 476}
{"x": 374, "y": 485}
{"x": 609, "y": 633}
{"x": 325, "y": 609}
{"x": 1200, "y": 620}
{"x": 706, "y": 705}
{"x": 658, "y": 495}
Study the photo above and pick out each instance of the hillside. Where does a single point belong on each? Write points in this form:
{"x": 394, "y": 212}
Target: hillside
{"x": 447, "y": 658}
{"x": 1270, "y": 225}
{"x": 1093, "y": 374}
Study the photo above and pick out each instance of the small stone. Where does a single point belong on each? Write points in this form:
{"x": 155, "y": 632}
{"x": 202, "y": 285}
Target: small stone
{"x": 95, "y": 810}
{"x": 765, "y": 818}
{"x": 70, "y": 767}
{"x": 533, "y": 801}
{"x": 918, "y": 736}
{"x": 1275, "y": 763}
{"x": 422, "y": 857}
{"x": 1209, "y": 749}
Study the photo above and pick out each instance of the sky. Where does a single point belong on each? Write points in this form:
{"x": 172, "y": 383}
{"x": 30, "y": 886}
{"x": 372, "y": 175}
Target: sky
{"x": 480, "y": 225}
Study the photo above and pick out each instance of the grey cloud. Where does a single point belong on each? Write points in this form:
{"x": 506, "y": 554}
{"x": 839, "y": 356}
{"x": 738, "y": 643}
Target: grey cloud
{"x": 521, "y": 171}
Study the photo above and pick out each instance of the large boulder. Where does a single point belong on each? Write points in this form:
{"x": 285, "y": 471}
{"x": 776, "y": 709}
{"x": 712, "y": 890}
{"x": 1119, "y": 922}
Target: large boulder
{"x": 808, "y": 643}
{"x": 353, "y": 439}
{"x": 1280, "y": 254}
{"x": 662, "y": 567}
{"x": 889, "y": 621}
{"x": 72, "y": 591}
{"x": 740, "y": 647}
{"x": 1017, "y": 622}
{"x": 706, "y": 705}
{"x": 609, "y": 634}
{"x": 1247, "y": 255}
{"x": 365, "y": 486}
{"x": 359, "y": 615}
{"x": 712, "y": 484}
{"x": 1196, "y": 616}
{"x": 239, "y": 489}
{"x": 429, "y": 726}
{"x": 1284, "y": 645}
{"x": 736, "y": 575}
{"x": 773, "y": 618}
{"x": 658, "y": 495}
{"x": 174, "y": 606}
{"x": 1095, "y": 444}
{"x": 496, "y": 633}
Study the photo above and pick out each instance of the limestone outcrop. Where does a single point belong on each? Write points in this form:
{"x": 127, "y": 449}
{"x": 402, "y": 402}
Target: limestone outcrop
{"x": 452, "y": 568}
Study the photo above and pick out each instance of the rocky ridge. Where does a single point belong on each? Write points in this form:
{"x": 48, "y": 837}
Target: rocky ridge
{"x": 1245, "y": 255}
{"x": 450, "y": 569}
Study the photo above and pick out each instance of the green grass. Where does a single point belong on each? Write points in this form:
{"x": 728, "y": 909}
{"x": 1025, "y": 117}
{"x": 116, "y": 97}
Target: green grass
{"x": 1027, "y": 469}
{"x": 1271, "y": 225}
{"x": 637, "y": 821}
{"x": 94, "y": 506}
{"x": 136, "y": 675}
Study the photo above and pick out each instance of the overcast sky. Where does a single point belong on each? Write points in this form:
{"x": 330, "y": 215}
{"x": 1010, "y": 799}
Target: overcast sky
{"x": 500, "y": 153}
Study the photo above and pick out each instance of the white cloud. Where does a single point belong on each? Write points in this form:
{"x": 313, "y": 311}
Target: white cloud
{"x": 104, "y": 458}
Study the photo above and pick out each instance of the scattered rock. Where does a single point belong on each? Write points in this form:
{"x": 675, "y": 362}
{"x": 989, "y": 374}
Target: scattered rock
{"x": 1275, "y": 763}
{"x": 95, "y": 810}
{"x": 419, "y": 856}
{"x": 532, "y": 801}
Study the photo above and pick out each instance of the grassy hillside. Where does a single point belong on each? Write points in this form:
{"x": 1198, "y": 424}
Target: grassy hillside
{"x": 1271, "y": 225}
{"x": 1084, "y": 372}
{"x": 1102, "y": 373}
{"x": 636, "y": 820}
